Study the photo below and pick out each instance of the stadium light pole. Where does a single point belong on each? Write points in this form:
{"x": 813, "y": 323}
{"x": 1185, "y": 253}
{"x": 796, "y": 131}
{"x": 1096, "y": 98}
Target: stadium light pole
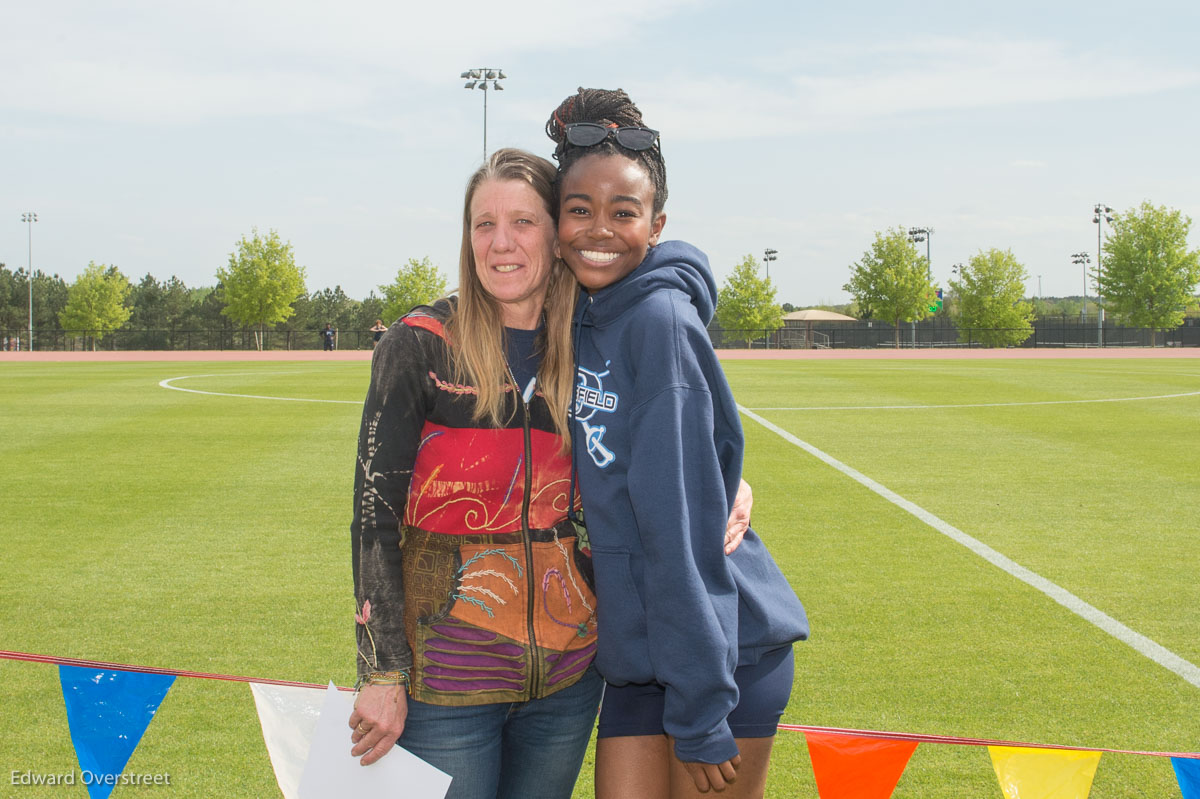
{"x": 923, "y": 234}
{"x": 29, "y": 217}
{"x": 1082, "y": 258}
{"x": 768, "y": 256}
{"x": 919, "y": 234}
{"x": 478, "y": 79}
{"x": 1101, "y": 213}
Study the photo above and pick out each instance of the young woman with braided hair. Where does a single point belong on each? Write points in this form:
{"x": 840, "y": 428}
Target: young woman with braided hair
{"x": 696, "y": 648}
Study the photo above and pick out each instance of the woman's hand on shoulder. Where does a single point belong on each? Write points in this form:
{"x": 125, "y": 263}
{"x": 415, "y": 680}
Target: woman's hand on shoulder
{"x": 739, "y": 518}
{"x": 377, "y": 721}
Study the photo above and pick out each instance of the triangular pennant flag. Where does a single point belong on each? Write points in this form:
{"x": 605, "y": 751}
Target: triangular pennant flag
{"x": 288, "y": 715}
{"x": 108, "y": 711}
{"x": 857, "y": 767}
{"x": 1187, "y": 772}
{"x": 1026, "y": 773}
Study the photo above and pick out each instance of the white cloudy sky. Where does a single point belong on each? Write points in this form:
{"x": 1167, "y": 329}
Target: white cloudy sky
{"x": 152, "y": 134}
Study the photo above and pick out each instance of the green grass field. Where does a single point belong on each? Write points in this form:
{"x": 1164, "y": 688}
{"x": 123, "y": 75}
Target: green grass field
{"x": 210, "y": 533}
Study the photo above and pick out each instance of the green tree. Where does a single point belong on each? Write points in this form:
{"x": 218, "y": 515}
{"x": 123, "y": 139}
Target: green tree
{"x": 49, "y": 298}
{"x": 96, "y": 302}
{"x": 990, "y": 299}
{"x": 1050, "y": 307}
{"x": 1148, "y": 274}
{"x": 892, "y": 282}
{"x": 747, "y": 302}
{"x": 12, "y": 312}
{"x": 261, "y": 282}
{"x": 327, "y": 306}
{"x": 206, "y": 316}
{"x": 368, "y": 311}
{"x": 159, "y": 310}
{"x": 334, "y": 307}
{"x": 417, "y": 283}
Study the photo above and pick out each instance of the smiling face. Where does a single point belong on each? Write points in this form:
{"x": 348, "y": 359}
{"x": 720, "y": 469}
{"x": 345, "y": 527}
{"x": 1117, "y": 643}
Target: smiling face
{"x": 512, "y": 239}
{"x": 606, "y": 221}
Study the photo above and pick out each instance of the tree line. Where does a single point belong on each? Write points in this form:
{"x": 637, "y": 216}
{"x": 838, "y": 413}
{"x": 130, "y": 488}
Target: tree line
{"x": 1147, "y": 278}
{"x": 260, "y": 289}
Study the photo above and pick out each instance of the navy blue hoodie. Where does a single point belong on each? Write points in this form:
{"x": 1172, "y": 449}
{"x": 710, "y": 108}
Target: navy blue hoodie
{"x": 658, "y": 445}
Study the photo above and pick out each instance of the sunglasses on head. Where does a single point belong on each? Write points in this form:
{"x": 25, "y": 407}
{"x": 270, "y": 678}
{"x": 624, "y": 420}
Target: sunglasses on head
{"x": 588, "y": 134}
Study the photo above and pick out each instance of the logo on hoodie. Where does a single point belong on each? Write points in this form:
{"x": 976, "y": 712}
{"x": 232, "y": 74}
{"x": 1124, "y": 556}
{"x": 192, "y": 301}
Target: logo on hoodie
{"x": 590, "y": 399}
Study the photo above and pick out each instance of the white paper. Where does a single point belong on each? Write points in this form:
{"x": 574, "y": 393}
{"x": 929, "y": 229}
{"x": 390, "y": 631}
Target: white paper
{"x": 288, "y": 715}
{"x": 333, "y": 773}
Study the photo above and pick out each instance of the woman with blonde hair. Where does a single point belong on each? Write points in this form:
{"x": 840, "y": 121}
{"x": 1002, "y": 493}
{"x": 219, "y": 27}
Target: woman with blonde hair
{"x": 476, "y": 617}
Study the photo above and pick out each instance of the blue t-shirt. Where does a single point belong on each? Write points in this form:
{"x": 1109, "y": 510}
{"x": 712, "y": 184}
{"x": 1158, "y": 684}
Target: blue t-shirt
{"x": 524, "y": 358}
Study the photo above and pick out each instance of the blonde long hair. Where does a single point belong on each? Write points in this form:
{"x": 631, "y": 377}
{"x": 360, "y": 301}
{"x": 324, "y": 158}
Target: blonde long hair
{"x": 475, "y": 328}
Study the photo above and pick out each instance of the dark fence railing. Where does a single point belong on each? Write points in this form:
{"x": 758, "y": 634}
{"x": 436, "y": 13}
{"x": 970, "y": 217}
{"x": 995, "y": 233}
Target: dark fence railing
{"x": 1047, "y": 332}
{"x": 81, "y": 340}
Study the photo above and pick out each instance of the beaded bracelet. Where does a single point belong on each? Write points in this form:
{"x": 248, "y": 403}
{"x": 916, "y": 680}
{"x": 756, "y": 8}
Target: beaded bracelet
{"x": 399, "y": 677}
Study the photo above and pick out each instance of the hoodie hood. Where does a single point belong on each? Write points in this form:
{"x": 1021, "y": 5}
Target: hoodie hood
{"x": 669, "y": 265}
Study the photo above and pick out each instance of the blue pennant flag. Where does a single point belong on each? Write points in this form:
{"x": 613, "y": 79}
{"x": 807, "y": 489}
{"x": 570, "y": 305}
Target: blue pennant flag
{"x": 107, "y": 712}
{"x": 1187, "y": 771}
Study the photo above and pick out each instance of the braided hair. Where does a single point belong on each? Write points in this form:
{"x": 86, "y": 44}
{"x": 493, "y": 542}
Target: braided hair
{"x": 606, "y": 107}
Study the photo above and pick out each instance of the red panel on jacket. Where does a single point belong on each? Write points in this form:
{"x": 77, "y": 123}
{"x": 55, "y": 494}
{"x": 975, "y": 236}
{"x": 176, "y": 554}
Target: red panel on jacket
{"x": 468, "y": 480}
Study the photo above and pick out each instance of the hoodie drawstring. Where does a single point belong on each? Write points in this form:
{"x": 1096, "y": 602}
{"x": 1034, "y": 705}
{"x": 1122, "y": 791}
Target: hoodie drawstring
{"x": 571, "y": 418}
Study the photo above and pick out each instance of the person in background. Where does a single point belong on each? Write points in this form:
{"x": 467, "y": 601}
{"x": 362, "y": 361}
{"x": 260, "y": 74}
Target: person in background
{"x": 379, "y": 328}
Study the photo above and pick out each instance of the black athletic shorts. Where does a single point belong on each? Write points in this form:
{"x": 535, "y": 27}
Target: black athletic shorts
{"x": 763, "y": 692}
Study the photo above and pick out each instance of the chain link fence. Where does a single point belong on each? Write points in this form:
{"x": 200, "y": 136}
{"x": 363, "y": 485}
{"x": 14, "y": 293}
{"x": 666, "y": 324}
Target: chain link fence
{"x": 1062, "y": 332}
{"x": 123, "y": 340}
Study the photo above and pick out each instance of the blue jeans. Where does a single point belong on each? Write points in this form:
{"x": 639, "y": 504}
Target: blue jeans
{"x": 518, "y": 750}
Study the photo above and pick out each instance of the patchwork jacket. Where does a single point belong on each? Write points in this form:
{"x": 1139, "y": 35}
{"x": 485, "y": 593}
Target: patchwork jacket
{"x": 467, "y": 571}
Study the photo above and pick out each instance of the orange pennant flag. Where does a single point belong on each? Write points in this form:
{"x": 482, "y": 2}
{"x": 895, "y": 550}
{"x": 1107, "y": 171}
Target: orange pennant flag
{"x": 1044, "y": 773}
{"x": 857, "y": 767}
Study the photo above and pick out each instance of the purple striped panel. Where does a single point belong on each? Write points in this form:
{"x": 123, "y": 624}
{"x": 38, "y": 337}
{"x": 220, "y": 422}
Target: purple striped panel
{"x": 476, "y": 661}
{"x": 439, "y": 671}
{"x": 472, "y": 685}
{"x": 568, "y": 660}
{"x": 557, "y": 677}
{"x": 504, "y": 650}
{"x": 464, "y": 633}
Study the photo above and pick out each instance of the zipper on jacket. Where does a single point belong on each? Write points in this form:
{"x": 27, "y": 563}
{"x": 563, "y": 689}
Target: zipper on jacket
{"x": 534, "y": 676}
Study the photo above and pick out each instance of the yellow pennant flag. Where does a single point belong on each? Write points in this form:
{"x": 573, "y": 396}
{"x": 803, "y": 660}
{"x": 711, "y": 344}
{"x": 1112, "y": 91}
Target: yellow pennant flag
{"x": 1044, "y": 773}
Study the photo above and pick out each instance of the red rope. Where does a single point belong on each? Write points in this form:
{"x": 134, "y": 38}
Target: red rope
{"x": 895, "y": 736}
{"x": 947, "y": 739}
{"x": 100, "y": 664}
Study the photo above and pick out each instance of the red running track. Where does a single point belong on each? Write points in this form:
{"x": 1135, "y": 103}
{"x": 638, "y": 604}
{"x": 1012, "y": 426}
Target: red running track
{"x": 730, "y": 355}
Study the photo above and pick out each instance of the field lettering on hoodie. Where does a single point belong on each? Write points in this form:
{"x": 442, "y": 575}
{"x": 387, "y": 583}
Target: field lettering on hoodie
{"x": 590, "y": 399}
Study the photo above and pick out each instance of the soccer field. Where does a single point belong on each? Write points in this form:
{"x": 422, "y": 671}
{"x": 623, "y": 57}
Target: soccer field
{"x": 207, "y": 530}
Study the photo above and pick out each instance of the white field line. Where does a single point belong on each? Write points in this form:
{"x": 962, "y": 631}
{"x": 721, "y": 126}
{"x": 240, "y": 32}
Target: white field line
{"x": 978, "y": 404}
{"x": 167, "y": 384}
{"x": 1156, "y": 652}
